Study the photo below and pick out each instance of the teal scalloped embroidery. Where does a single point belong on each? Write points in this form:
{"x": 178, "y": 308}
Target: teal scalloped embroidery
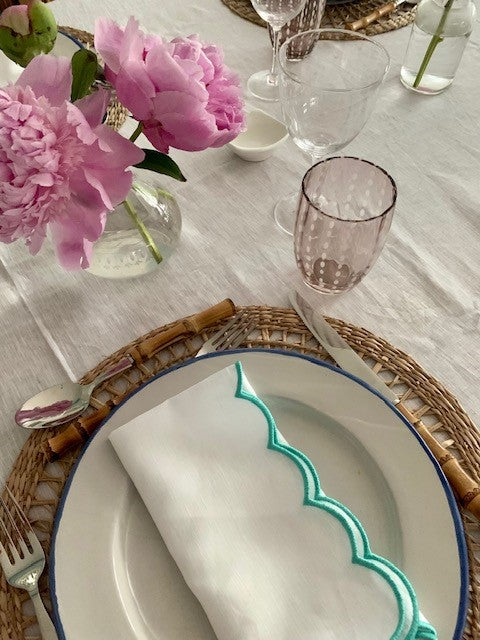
{"x": 361, "y": 552}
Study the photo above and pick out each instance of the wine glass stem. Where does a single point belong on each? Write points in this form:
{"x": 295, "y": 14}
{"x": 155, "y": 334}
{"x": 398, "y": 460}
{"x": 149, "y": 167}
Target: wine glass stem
{"x": 273, "y": 77}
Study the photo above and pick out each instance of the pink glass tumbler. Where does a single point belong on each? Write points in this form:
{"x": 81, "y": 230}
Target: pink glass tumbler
{"x": 344, "y": 213}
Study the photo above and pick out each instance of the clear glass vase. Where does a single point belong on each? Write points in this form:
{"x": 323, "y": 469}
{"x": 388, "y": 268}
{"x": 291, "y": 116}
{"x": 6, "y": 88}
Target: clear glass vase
{"x": 437, "y": 42}
{"x": 140, "y": 234}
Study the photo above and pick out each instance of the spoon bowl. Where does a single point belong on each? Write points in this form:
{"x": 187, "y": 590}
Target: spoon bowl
{"x": 63, "y": 402}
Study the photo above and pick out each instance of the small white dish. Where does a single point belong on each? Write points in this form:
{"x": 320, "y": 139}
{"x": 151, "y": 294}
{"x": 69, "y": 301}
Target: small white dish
{"x": 264, "y": 134}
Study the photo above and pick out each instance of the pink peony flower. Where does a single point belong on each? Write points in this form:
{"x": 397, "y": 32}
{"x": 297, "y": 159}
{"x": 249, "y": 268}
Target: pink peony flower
{"x": 181, "y": 90}
{"x": 59, "y": 166}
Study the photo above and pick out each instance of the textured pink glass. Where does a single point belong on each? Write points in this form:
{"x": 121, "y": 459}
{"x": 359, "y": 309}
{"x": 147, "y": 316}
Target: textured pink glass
{"x": 344, "y": 213}
{"x": 307, "y": 20}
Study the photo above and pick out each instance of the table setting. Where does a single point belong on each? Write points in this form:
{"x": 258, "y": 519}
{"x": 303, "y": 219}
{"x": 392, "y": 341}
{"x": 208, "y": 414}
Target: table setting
{"x": 239, "y": 320}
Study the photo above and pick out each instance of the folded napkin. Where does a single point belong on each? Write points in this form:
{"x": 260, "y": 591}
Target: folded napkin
{"x": 265, "y": 551}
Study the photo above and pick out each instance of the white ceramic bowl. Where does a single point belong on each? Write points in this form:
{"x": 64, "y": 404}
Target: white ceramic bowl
{"x": 264, "y": 134}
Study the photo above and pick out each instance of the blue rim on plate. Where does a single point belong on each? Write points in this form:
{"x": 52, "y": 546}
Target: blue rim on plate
{"x": 459, "y": 531}
{"x": 79, "y": 44}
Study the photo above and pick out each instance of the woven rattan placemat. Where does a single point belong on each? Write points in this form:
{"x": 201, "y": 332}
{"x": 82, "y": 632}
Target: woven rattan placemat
{"x": 38, "y": 484}
{"x": 337, "y": 15}
{"x": 116, "y": 113}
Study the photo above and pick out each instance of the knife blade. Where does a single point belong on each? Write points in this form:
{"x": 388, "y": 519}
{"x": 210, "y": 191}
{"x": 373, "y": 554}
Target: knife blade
{"x": 466, "y": 487}
{"x": 336, "y": 346}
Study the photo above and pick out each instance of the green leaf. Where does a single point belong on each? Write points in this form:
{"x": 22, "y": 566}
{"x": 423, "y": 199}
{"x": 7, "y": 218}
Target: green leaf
{"x": 161, "y": 163}
{"x": 84, "y": 70}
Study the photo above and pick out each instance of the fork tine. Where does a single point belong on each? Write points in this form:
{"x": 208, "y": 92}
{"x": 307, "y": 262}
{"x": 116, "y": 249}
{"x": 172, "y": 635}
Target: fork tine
{"x": 14, "y": 552}
{"x": 19, "y": 510}
{"x": 2, "y": 523}
{"x": 220, "y": 335}
{"x": 4, "y": 559}
{"x": 12, "y": 521}
{"x": 232, "y": 337}
{"x": 241, "y": 337}
{"x": 23, "y": 547}
{"x": 35, "y": 542}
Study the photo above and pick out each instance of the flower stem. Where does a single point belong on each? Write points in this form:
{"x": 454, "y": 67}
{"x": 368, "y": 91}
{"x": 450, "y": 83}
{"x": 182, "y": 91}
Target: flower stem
{"x": 137, "y": 132}
{"x": 144, "y": 232}
{"x": 436, "y": 39}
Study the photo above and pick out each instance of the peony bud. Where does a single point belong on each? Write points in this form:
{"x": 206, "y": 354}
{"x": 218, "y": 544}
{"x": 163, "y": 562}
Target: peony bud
{"x": 27, "y": 31}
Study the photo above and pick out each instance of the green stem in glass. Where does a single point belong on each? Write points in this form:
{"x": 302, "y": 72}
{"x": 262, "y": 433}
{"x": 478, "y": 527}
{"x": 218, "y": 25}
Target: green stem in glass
{"x": 436, "y": 39}
{"x": 137, "y": 132}
{"x": 144, "y": 232}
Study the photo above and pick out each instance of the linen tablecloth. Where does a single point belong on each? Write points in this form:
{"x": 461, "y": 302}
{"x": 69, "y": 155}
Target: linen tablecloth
{"x": 423, "y": 294}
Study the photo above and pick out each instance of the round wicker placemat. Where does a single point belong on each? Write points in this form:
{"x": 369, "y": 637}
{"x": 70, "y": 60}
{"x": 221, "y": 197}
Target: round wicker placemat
{"x": 38, "y": 484}
{"x": 116, "y": 113}
{"x": 337, "y": 15}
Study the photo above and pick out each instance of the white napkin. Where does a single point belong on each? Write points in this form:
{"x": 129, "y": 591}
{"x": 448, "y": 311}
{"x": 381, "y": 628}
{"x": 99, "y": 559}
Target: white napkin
{"x": 266, "y": 553}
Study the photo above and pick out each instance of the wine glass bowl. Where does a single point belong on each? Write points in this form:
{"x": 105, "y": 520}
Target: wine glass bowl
{"x": 277, "y": 12}
{"x": 328, "y": 94}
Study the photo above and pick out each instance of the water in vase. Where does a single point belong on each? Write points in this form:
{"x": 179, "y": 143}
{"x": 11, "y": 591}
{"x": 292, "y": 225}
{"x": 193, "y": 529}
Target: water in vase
{"x": 124, "y": 254}
{"x": 442, "y": 66}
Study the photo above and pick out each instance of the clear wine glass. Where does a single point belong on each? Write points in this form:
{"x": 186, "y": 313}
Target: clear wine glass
{"x": 264, "y": 84}
{"x": 327, "y": 96}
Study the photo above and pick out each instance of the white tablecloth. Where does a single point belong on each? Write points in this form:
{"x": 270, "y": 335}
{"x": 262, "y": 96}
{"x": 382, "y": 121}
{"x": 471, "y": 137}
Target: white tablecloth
{"x": 423, "y": 294}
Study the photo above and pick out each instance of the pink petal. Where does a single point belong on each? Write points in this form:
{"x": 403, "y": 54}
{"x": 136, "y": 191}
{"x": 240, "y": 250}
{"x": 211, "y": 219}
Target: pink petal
{"x": 76, "y": 118}
{"x": 73, "y": 253}
{"x": 225, "y": 136}
{"x": 157, "y": 136}
{"x": 43, "y": 179}
{"x": 135, "y": 90}
{"x": 181, "y": 115}
{"x": 35, "y": 241}
{"x": 108, "y": 40}
{"x": 5, "y": 172}
{"x": 112, "y": 186}
{"x": 50, "y": 77}
{"x": 151, "y": 40}
{"x": 168, "y": 74}
{"x": 86, "y": 195}
{"x": 94, "y": 106}
{"x": 92, "y": 222}
{"x": 73, "y": 235}
{"x": 110, "y": 76}
{"x": 124, "y": 153}
{"x": 16, "y": 19}
{"x": 133, "y": 45}
{"x": 99, "y": 184}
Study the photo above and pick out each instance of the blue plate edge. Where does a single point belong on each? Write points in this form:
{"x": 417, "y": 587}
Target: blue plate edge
{"x": 458, "y": 525}
{"x": 79, "y": 44}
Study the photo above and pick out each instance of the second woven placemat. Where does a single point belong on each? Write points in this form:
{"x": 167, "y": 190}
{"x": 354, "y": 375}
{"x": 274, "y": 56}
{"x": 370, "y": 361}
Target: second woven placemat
{"x": 38, "y": 484}
{"x": 337, "y": 15}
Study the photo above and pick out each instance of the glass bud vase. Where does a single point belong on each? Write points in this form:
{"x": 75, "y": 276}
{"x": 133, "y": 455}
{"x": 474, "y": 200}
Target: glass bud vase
{"x": 140, "y": 234}
{"x": 437, "y": 41}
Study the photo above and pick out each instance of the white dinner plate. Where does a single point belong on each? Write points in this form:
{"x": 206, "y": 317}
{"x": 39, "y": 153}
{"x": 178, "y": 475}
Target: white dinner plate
{"x": 64, "y": 45}
{"x": 111, "y": 576}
